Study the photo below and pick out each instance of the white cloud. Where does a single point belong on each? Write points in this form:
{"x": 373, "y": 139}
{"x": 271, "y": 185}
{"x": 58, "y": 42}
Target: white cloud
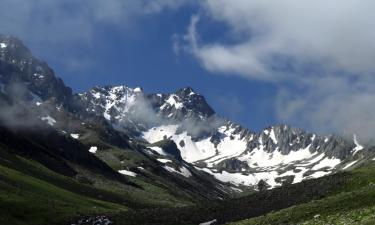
{"x": 336, "y": 34}
{"x": 331, "y": 104}
{"x": 320, "y": 52}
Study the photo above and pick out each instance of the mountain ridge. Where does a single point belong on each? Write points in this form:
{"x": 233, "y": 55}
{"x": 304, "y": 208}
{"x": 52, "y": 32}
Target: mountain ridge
{"x": 217, "y": 146}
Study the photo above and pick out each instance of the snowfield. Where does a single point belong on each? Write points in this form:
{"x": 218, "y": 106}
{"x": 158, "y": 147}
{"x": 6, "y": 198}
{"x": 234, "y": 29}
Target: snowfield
{"x": 266, "y": 165}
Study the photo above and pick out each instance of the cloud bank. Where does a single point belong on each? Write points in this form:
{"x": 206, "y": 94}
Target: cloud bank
{"x": 321, "y": 53}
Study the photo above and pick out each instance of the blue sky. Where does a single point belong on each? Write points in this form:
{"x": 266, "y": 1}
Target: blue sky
{"x": 308, "y": 64}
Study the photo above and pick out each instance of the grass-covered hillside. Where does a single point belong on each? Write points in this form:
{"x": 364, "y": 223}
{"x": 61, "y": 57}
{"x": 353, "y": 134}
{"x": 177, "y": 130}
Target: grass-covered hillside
{"x": 53, "y": 179}
{"x": 352, "y": 203}
{"x": 41, "y": 184}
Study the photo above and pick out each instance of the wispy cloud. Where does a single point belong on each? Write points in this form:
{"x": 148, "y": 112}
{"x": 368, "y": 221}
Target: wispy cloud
{"x": 320, "y": 52}
{"x": 69, "y": 20}
{"x": 334, "y": 35}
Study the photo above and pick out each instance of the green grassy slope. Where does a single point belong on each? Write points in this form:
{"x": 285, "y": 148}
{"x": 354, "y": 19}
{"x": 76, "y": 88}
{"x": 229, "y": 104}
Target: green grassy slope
{"x": 353, "y": 203}
{"x": 30, "y": 193}
{"x": 27, "y": 200}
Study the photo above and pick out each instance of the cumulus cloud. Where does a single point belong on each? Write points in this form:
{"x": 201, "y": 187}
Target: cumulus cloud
{"x": 332, "y": 104}
{"x": 336, "y": 35}
{"x": 320, "y": 52}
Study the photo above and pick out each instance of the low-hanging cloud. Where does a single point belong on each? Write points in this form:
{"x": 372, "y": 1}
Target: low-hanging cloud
{"x": 321, "y": 53}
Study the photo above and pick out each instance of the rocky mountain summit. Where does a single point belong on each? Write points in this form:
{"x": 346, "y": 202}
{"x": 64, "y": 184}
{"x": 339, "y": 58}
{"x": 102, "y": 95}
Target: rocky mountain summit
{"x": 231, "y": 153}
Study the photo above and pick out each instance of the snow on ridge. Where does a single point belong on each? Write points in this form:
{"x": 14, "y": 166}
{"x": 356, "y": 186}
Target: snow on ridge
{"x": 172, "y": 102}
{"x": 357, "y": 147}
{"x": 159, "y": 150}
{"x": 230, "y": 146}
{"x": 350, "y": 165}
{"x": 260, "y": 158}
{"x": 327, "y": 162}
{"x": 183, "y": 171}
{"x": 120, "y": 98}
{"x": 3, "y": 45}
{"x": 273, "y": 136}
{"x": 191, "y": 151}
{"x": 242, "y": 179}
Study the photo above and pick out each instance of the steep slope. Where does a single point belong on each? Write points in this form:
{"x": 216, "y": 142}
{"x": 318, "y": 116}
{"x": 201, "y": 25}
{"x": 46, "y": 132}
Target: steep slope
{"x": 36, "y": 105}
{"x": 24, "y": 77}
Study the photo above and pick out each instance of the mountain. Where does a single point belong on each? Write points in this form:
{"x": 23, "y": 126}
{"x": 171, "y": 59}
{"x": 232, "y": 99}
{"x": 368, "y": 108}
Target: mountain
{"x": 231, "y": 153}
{"x": 119, "y": 152}
{"x": 33, "y": 99}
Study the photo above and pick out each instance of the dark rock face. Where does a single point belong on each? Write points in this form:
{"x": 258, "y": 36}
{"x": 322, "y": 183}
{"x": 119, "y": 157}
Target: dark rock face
{"x": 169, "y": 147}
{"x": 233, "y": 165}
{"x": 19, "y": 71}
{"x": 293, "y": 139}
{"x": 182, "y": 104}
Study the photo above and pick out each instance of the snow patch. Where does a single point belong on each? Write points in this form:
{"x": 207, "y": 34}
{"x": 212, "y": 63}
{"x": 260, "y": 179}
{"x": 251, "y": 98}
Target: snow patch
{"x": 159, "y": 150}
{"x": 357, "y": 147}
{"x": 297, "y": 173}
{"x": 327, "y": 162}
{"x": 209, "y": 222}
{"x": 231, "y": 144}
{"x": 93, "y": 149}
{"x": 261, "y": 158}
{"x": 75, "y": 136}
{"x": 242, "y": 179}
{"x": 51, "y": 121}
{"x": 273, "y": 136}
{"x": 3, "y": 45}
{"x": 172, "y": 102}
{"x": 164, "y": 160}
{"x": 319, "y": 174}
{"x": 127, "y": 173}
{"x": 183, "y": 171}
{"x": 350, "y": 164}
